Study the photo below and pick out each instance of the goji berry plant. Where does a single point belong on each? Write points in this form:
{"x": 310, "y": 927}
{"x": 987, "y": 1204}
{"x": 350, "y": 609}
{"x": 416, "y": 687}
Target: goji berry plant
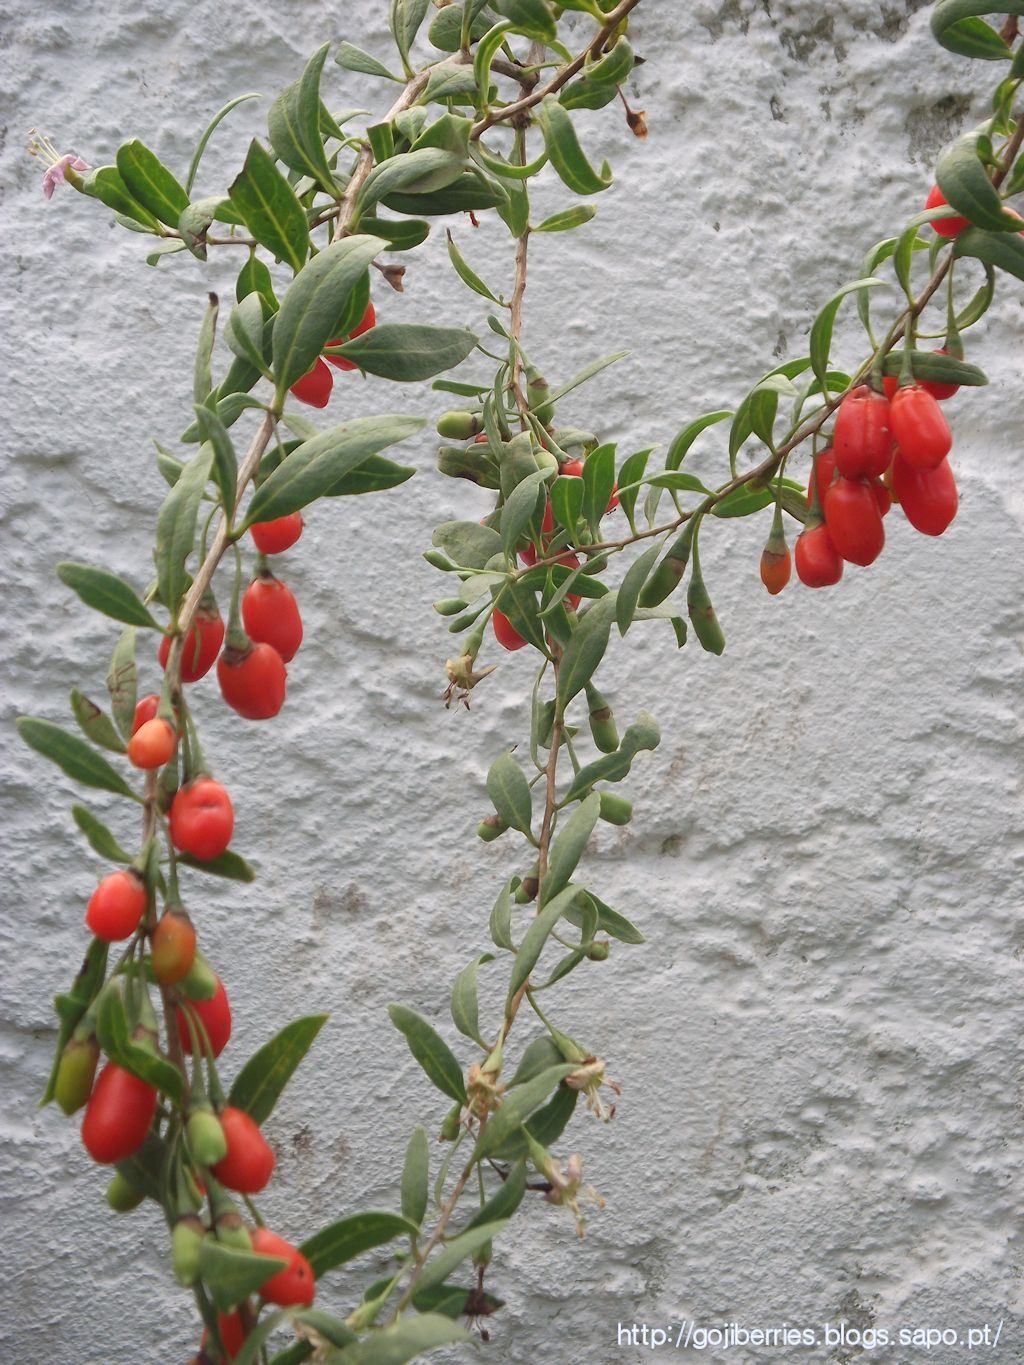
{"x": 320, "y": 214}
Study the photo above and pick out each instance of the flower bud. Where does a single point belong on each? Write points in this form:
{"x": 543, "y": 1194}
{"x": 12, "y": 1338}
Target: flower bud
{"x": 669, "y": 573}
{"x": 206, "y": 1138}
{"x": 231, "y": 1231}
{"x": 538, "y": 392}
{"x": 122, "y": 1195}
{"x": 527, "y": 889}
{"x": 493, "y": 827}
{"x": 602, "y": 722}
{"x": 598, "y": 952}
{"x": 702, "y": 612}
{"x": 452, "y": 1123}
{"x": 186, "y": 1246}
{"x": 458, "y": 426}
{"x": 616, "y": 809}
{"x": 449, "y": 606}
{"x": 76, "y": 1073}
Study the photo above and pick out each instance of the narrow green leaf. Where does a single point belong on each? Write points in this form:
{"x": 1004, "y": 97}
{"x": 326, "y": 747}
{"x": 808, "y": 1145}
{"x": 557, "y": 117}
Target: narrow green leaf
{"x": 944, "y": 369}
{"x": 567, "y": 219}
{"x": 400, "y": 234}
{"x": 176, "y": 527}
{"x": 517, "y": 1106}
{"x": 632, "y": 472}
{"x": 465, "y": 1011}
{"x": 270, "y": 209}
{"x": 539, "y": 931}
{"x": 294, "y": 124}
{"x": 95, "y": 723}
{"x": 319, "y": 465}
{"x": 567, "y": 848}
{"x": 643, "y": 734}
{"x": 532, "y": 18}
{"x": 403, "y": 1341}
{"x": 586, "y": 649}
{"x": 73, "y": 755}
{"x": 467, "y": 543}
{"x": 598, "y": 481}
{"x": 416, "y": 1177}
{"x": 430, "y": 1050}
{"x": 230, "y": 1276}
{"x": 225, "y": 462}
{"x": 408, "y": 352}
{"x": 315, "y": 304}
{"x": 567, "y": 156}
{"x": 229, "y": 864}
{"x": 353, "y": 58}
{"x": 467, "y": 275}
{"x": 114, "y": 1036}
{"x": 70, "y": 1007}
{"x": 505, "y": 1200}
{"x": 404, "y": 19}
{"x": 821, "y": 331}
{"x": 588, "y": 372}
{"x": 122, "y": 682}
{"x": 100, "y": 838}
{"x": 631, "y": 587}
{"x": 150, "y": 183}
{"x": 510, "y": 793}
{"x": 520, "y": 509}
{"x": 259, "y": 1084}
{"x": 501, "y": 920}
{"x": 373, "y": 476}
{"x": 567, "y": 500}
{"x": 106, "y": 185}
{"x": 208, "y": 132}
{"x": 453, "y": 1253}
{"x": 956, "y": 26}
{"x": 351, "y": 1236}
{"x": 994, "y": 248}
{"x": 245, "y": 332}
{"x": 424, "y": 171}
{"x": 106, "y": 592}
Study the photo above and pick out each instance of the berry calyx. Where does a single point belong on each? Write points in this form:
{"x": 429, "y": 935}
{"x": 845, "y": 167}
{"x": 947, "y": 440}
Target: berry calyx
{"x": 315, "y": 385}
{"x": 253, "y": 680}
{"x": 201, "y": 819}
{"x": 274, "y": 537}
{"x": 818, "y": 564}
{"x": 271, "y": 616}
{"x": 172, "y": 947}
{"x": 854, "y": 520}
{"x": 118, "y": 1115}
{"x": 928, "y": 496}
{"x": 117, "y": 905}
{"x": 295, "y": 1285}
{"x": 152, "y": 744}
{"x": 862, "y": 439}
{"x": 215, "y": 1017}
{"x": 201, "y": 646}
{"x": 368, "y": 320}
{"x": 945, "y": 227}
{"x": 505, "y": 632}
{"x": 920, "y": 428}
{"x": 249, "y": 1163}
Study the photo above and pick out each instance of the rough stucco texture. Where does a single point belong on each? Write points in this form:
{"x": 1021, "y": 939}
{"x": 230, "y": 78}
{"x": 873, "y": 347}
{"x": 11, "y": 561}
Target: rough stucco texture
{"x": 819, "y": 1045}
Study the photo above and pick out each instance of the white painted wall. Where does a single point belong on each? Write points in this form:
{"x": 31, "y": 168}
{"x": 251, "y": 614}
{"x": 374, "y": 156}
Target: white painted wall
{"x": 819, "y": 1047}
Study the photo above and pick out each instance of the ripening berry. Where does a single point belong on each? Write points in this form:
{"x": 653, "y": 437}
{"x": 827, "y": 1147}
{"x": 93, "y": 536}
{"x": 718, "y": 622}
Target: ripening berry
{"x": 249, "y": 1163}
{"x": 117, "y": 905}
{"x": 118, "y": 1115}
{"x": 315, "y": 385}
{"x": 231, "y": 1330}
{"x": 274, "y": 537}
{"x": 825, "y": 467}
{"x": 215, "y": 1017}
{"x": 368, "y": 320}
{"x": 201, "y": 819}
{"x": 252, "y": 680}
{"x": 928, "y": 496}
{"x": 775, "y": 569}
{"x": 292, "y": 1287}
{"x": 145, "y": 709}
{"x": 920, "y": 428}
{"x": 172, "y": 947}
{"x": 271, "y": 616}
{"x": 945, "y": 227}
{"x": 818, "y": 564}
{"x": 854, "y": 521}
{"x": 152, "y": 744}
{"x": 202, "y": 645}
{"x": 862, "y": 439}
{"x": 76, "y": 1072}
{"x": 505, "y": 632}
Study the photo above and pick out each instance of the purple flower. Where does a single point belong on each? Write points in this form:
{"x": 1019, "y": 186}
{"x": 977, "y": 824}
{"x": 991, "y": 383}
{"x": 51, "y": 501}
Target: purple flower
{"x": 54, "y": 175}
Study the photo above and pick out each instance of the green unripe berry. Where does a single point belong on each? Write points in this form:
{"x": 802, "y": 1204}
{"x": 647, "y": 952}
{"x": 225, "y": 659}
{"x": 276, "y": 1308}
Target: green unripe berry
{"x": 186, "y": 1246}
{"x": 76, "y": 1072}
{"x": 206, "y": 1139}
{"x": 122, "y": 1195}
{"x": 493, "y": 827}
{"x": 616, "y": 809}
{"x": 458, "y": 426}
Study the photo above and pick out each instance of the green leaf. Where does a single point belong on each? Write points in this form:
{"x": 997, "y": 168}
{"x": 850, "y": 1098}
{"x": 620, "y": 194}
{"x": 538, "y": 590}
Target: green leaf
{"x": 567, "y": 219}
{"x": 471, "y": 192}
{"x": 963, "y": 179}
{"x": 114, "y": 1036}
{"x": 567, "y": 500}
{"x": 208, "y": 132}
{"x": 821, "y": 332}
{"x": 245, "y": 332}
{"x": 955, "y": 25}
{"x": 522, "y": 506}
{"x": 588, "y": 372}
{"x": 106, "y": 185}
{"x": 77, "y": 758}
{"x": 176, "y": 527}
{"x": 585, "y": 649}
{"x": 95, "y": 723}
{"x": 229, "y": 864}
{"x": 106, "y": 592}
{"x": 315, "y": 303}
{"x": 100, "y": 838}
{"x": 70, "y": 1007}
{"x": 631, "y": 587}
{"x": 431, "y": 1051}
{"x": 567, "y": 848}
{"x": 404, "y": 20}
{"x": 532, "y": 18}
{"x": 501, "y": 920}
{"x": 225, "y": 462}
{"x": 400, "y": 235}
{"x": 467, "y": 275}
{"x": 259, "y": 1084}
{"x": 618, "y": 926}
{"x": 319, "y": 465}
{"x": 373, "y": 476}
{"x": 416, "y": 1176}
{"x": 255, "y": 278}
{"x": 945, "y": 369}
{"x": 643, "y": 734}
{"x": 145, "y": 1168}
{"x": 467, "y": 543}
{"x": 994, "y": 248}
{"x": 294, "y": 124}
{"x": 510, "y": 793}
{"x": 598, "y": 481}
{"x": 505, "y": 1200}
{"x": 351, "y": 1236}
{"x": 517, "y": 1106}
{"x": 122, "y": 682}
{"x": 465, "y": 1011}
{"x": 270, "y": 209}
{"x": 566, "y": 154}
{"x": 353, "y": 58}
{"x": 401, "y": 1342}
{"x": 202, "y": 383}
{"x": 409, "y": 352}
{"x": 632, "y": 472}
{"x": 150, "y": 183}
{"x": 424, "y": 171}
{"x": 230, "y": 1276}
{"x": 453, "y": 1253}
{"x": 539, "y": 931}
